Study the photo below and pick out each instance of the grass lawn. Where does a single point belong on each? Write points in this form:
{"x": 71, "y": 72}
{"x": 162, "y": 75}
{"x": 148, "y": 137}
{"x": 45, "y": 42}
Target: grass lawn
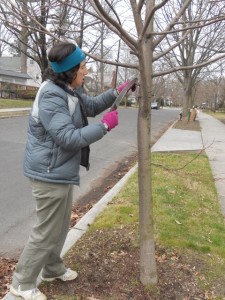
{"x": 218, "y": 115}
{"x": 15, "y": 103}
{"x": 189, "y": 238}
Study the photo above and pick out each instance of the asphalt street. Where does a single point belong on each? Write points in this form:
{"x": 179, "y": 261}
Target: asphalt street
{"x": 17, "y": 214}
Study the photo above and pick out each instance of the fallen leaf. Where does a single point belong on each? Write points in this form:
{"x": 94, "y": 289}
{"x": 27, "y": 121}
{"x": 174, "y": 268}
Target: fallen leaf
{"x": 179, "y": 223}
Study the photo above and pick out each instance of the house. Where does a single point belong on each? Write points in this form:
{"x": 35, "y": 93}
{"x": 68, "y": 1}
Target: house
{"x": 14, "y": 83}
{"x": 12, "y": 79}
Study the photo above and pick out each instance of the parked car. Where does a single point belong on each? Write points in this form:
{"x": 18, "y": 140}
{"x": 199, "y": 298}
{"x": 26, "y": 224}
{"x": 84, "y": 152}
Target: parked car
{"x": 155, "y": 105}
{"x": 132, "y": 99}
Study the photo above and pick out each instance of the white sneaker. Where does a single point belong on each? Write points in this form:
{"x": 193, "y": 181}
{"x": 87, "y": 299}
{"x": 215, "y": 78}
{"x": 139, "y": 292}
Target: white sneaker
{"x": 67, "y": 276}
{"x": 33, "y": 294}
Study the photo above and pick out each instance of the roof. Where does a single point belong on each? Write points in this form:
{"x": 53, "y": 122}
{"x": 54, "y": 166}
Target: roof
{"x": 14, "y": 74}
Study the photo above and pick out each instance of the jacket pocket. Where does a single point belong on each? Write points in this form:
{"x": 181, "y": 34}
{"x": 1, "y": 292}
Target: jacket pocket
{"x": 53, "y": 158}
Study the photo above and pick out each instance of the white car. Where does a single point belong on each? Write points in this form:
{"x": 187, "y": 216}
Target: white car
{"x": 155, "y": 105}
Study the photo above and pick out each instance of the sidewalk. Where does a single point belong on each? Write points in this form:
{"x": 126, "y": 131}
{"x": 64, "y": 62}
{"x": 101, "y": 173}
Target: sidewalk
{"x": 211, "y": 138}
{"x": 14, "y": 109}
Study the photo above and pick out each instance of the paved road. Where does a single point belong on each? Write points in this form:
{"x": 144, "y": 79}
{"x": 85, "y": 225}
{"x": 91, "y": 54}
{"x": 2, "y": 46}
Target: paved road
{"x": 17, "y": 213}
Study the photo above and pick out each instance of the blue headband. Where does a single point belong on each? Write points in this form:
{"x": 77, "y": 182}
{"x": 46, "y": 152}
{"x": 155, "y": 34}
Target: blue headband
{"x": 69, "y": 62}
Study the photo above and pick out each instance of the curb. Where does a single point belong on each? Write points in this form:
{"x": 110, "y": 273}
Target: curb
{"x": 14, "y": 109}
{"x": 81, "y": 227}
{"x": 12, "y": 112}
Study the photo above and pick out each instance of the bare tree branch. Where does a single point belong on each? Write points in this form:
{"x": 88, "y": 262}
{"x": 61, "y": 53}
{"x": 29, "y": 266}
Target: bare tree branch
{"x": 140, "y": 5}
{"x": 137, "y": 16}
{"x": 206, "y": 23}
{"x": 163, "y": 53}
{"x": 176, "y": 69}
{"x": 114, "y": 63}
{"x": 150, "y": 16}
{"x": 173, "y": 22}
{"x": 114, "y": 25}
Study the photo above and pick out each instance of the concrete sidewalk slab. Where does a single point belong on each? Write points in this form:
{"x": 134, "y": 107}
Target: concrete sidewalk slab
{"x": 178, "y": 140}
{"x": 213, "y": 134}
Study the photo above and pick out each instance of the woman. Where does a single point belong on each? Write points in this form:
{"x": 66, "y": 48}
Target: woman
{"x": 57, "y": 143}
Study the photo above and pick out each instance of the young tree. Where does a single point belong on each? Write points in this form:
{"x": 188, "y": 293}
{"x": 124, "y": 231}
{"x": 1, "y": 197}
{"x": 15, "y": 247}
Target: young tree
{"x": 143, "y": 45}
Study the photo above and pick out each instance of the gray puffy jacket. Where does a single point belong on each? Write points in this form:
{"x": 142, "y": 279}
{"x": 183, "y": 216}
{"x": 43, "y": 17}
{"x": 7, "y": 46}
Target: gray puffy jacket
{"x": 56, "y": 133}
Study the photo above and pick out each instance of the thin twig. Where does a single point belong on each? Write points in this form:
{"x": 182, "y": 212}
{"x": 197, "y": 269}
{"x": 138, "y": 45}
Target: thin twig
{"x": 185, "y": 165}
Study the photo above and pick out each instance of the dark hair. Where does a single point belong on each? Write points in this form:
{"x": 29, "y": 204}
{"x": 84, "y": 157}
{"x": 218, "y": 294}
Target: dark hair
{"x": 58, "y": 53}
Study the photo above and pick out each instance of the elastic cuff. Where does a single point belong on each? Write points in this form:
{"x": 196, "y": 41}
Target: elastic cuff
{"x": 103, "y": 126}
{"x": 106, "y": 126}
{"x": 116, "y": 93}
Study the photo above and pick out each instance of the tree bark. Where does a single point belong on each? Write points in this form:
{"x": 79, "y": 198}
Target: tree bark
{"x": 148, "y": 272}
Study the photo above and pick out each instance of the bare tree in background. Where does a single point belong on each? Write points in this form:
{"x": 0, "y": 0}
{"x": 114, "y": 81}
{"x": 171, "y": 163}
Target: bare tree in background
{"x": 35, "y": 25}
{"x": 20, "y": 18}
{"x": 200, "y": 39}
{"x": 215, "y": 82}
{"x": 4, "y": 35}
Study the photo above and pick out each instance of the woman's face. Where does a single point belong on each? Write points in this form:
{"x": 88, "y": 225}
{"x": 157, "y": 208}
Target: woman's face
{"x": 80, "y": 75}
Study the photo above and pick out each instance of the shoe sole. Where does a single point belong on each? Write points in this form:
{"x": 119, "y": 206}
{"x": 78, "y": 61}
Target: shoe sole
{"x": 14, "y": 291}
{"x": 47, "y": 279}
{"x": 54, "y": 278}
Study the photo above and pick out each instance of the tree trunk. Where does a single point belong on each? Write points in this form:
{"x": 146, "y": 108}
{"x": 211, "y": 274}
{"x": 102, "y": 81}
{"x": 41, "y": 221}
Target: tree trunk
{"x": 187, "y": 104}
{"x": 43, "y": 49}
{"x": 148, "y": 272}
{"x": 23, "y": 48}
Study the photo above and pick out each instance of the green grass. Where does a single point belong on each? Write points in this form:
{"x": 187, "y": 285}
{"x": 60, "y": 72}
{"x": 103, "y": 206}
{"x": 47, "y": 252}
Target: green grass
{"x": 218, "y": 115}
{"x": 123, "y": 210}
{"x": 187, "y": 213}
{"x": 186, "y": 210}
{"x": 15, "y": 103}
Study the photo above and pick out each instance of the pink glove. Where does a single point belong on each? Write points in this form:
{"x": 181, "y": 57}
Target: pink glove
{"x": 110, "y": 119}
{"x": 122, "y": 86}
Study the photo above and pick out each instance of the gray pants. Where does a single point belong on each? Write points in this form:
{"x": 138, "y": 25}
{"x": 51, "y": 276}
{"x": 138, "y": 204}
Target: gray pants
{"x": 54, "y": 204}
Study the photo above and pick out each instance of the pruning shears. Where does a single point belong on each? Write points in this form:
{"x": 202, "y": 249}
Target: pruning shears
{"x": 122, "y": 94}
